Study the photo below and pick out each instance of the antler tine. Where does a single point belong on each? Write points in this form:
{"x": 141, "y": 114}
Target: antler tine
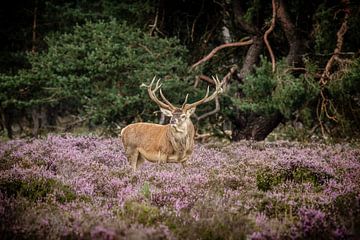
{"x": 218, "y": 84}
{"x": 207, "y": 98}
{"x": 158, "y": 85}
{"x": 186, "y": 98}
{"x": 152, "y": 94}
{"x": 165, "y": 100}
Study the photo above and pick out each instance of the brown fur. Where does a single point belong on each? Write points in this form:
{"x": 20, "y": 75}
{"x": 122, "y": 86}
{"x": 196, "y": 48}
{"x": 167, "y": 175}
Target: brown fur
{"x": 157, "y": 143}
{"x": 172, "y": 143}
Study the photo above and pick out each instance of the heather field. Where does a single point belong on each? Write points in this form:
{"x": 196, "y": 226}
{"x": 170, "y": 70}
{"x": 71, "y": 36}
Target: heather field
{"x": 67, "y": 187}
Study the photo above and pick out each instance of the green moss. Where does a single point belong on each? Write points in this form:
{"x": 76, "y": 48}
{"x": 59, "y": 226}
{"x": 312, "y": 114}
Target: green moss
{"x": 37, "y": 189}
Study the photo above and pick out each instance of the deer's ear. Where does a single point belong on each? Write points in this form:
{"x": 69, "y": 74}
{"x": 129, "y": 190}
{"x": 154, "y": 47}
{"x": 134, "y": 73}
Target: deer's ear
{"x": 166, "y": 112}
{"x": 190, "y": 111}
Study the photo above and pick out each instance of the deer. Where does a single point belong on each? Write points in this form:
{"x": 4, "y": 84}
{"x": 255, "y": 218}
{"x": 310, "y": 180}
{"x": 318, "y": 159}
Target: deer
{"x": 170, "y": 143}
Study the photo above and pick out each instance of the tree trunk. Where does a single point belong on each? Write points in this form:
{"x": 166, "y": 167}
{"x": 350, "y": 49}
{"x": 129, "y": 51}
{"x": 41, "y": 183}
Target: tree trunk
{"x": 253, "y": 126}
{"x": 251, "y": 58}
{"x": 36, "y": 121}
{"x": 7, "y": 120}
{"x": 296, "y": 41}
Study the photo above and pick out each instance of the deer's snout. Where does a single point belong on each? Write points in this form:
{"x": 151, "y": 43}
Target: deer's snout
{"x": 173, "y": 121}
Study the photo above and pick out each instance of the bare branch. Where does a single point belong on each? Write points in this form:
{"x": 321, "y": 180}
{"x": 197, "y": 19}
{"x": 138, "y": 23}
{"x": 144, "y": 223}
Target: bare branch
{"x": 153, "y": 27}
{"x": 206, "y": 79}
{"x": 227, "y": 77}
{"x": 217, "y": 109}
{"x": 324, "y": 103}
{"x": 218, "y": 48}
{"x": 195, "y": 20}
{"x": 271, "y": 28}
{"x": 340, "y": 39}
{"x": 225, "y": 82}
{"x": 207, "y": 98}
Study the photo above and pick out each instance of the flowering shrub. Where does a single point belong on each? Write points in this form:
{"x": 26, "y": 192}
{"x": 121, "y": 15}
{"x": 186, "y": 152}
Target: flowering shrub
{"x": 83, "y": 187}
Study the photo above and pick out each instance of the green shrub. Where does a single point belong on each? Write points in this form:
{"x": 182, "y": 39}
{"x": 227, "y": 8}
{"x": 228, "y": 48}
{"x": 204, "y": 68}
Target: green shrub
{"x": 218, "y": 225}
{"x": 96, "y": 71}
{"x": 267, "y": 92}
{"x": 142, "y": 213}
{"x": 344, "y": 95}
{"x": 37, "y": 189}
{"x": 266, "y": 179}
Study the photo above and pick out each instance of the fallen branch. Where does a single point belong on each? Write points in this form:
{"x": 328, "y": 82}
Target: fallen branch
{"x": 218, "y": 48}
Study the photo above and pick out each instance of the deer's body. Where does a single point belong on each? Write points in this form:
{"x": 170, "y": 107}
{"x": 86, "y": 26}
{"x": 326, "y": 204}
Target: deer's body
{"x": 171, "y": 143}
{"x": 159, "y": 143}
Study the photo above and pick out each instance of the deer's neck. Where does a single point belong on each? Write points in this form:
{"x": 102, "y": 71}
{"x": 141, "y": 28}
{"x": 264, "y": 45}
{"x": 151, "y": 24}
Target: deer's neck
{"x": 182, "y": 130}
{"x": 181, "y": 136}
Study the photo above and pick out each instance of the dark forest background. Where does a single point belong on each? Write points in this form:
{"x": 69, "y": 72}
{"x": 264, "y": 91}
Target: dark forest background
{"x": 292, "y": 65}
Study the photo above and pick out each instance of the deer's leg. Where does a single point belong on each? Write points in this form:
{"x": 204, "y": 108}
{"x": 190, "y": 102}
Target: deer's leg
{"x": 183, "y": 164}
{"x": 133, "y": 158}
{"x": 183, "y": 161}
{"x": 141, "y": 160}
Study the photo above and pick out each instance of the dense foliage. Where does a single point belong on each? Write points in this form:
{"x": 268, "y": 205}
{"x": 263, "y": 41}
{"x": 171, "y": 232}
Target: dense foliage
{"x": 66, "y": 64}
{"x": 96, "y": 71}
{"x": 83, "y": 187}
{"x": 267, "y": 92}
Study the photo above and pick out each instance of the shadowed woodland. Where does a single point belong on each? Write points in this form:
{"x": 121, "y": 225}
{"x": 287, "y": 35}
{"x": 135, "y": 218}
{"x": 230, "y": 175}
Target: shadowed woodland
{"x": 288, "y": 66}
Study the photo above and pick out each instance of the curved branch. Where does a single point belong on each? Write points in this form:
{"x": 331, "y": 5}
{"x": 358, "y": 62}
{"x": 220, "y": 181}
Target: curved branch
{"x": 225, "y": 82}
{"x": 324, "y": 102}
{"x": 215, "y": 110}
{"x": 339, "y": 43}
{"x": 218, "y": 48}
{"x": 271, "y": 28}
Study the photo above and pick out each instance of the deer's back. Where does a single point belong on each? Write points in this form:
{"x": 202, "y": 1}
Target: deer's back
{"x": 150, "y": 137}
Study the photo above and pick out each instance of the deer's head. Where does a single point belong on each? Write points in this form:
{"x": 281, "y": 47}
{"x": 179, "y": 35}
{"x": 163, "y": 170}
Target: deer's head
{"x": 179, "y": 116}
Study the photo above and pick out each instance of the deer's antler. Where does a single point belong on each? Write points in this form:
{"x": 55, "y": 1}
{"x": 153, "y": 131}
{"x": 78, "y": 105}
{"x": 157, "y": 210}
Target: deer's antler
{"x": 207, "y": 98}
{"x": 152, "y": 94}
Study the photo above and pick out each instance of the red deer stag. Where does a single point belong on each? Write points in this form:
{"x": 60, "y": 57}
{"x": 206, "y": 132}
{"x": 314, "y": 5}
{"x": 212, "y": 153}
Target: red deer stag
{"x": 171, "y": 143}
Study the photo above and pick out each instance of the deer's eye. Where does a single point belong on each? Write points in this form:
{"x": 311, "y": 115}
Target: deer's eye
{"x": 183, "y": 117}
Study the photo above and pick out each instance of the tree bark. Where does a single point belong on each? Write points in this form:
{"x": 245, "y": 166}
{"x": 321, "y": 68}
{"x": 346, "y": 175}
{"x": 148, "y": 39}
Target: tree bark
{"x": 251, "y": 125}
{"x": 251, "y": 58}
{"x": 7, "y": 120}
{"x": 296, "y": 41}
{"x": 36, "y": 121}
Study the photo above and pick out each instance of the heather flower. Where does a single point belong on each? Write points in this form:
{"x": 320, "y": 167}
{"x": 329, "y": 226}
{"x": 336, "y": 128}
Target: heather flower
{"x": 309, "y": 191}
